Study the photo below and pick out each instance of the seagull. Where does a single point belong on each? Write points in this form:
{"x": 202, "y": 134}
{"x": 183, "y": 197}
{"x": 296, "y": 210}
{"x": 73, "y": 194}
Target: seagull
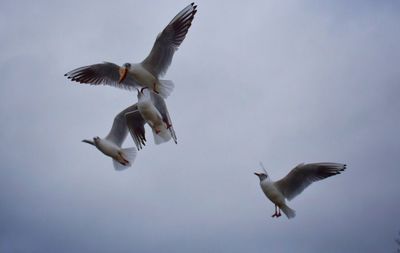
{"x": 147, "y": 72}
{"x": 294, "y": 183}
{"x": 154, "y": 111}
{"x": 111, "y": 144}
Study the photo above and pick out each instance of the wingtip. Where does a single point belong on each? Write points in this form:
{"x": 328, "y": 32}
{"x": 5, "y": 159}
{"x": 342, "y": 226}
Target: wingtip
{"x": 194, "y": 6}
{"x": 340, "y": 170}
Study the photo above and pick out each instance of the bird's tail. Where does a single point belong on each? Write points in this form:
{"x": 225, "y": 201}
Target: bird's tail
{"x": 160, "y": 137}
{"x": 166, "y": 87}
{"x": 290, "y": 213}
{"x": 129, "y": 154}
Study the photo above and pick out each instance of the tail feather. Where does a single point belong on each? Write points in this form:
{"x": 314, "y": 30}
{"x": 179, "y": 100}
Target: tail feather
{"x": 118, "y": 166}
{"x": 166, "y": 88}
{"x": 130, "y": 155}
{"x": 290, "y": 213}
{"x": 161, "y": 137}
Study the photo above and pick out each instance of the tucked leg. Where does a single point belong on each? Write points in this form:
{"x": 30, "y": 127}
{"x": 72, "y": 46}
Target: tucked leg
{"x": 155, "y": 88}
{"x": 276, "y": 212}
{"x": 168, "y": 124}
{"x": 279, "y": 213}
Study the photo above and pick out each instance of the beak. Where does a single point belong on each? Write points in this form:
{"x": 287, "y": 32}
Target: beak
{"x": 257, "y": 174}
{"x": 89, "y": 142}
{"x": 122, "y": 74}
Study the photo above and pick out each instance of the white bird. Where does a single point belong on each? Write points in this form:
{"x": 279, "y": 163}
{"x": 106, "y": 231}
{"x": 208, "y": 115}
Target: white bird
{"x": 154, "y": 111}
{"x": 294, "y": 183}
{"x": 147, "y": 72}
{"x": 111, "y": 144}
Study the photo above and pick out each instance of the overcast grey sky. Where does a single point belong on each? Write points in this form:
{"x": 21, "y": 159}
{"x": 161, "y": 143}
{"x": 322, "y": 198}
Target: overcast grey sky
{"x": 283, "y": 82}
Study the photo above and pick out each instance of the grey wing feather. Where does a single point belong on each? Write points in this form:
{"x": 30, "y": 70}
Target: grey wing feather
{"x": 135, "y": 123}
{"x": 168, "y": 41}
{"x": 105, "y": 73}
{"x": 119, "y": 129}
{"x": 303, "y": 175}
{"x": 161, "y": 106}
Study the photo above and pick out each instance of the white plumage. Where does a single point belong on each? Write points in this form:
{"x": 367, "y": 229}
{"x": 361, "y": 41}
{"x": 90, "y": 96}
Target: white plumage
{"x": 154, "y": 111}
{"x": 147, "y": 72}
{"x": 111, "y": 144}
{"x": 294, "y": 183}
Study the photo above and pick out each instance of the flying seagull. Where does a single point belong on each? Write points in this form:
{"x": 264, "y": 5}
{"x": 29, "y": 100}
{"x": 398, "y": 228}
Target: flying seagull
{"x": 295, "y": 182}
{"x": 154, "y": 111}
{"x": 111, "y": 144}
{"x": 147, "y": 72}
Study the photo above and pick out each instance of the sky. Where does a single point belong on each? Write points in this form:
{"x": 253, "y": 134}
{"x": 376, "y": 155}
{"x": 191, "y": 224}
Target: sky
{"x": 282, "y": 82}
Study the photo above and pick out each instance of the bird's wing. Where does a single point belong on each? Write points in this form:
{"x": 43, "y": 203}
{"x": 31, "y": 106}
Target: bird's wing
{"x": 105, "y": 73}
{"x": 135, "y": 123}
{"x": 119, "y": 129}
{"x": 304, "y": 174}
{"x": 161, "y": 106}
{"x": 168, "y": 41}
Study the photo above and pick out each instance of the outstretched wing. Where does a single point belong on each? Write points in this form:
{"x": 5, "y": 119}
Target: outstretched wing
{"x": 105, "y": 73}
{"x": 119, "y": 129}
{"x": 168, "y": 41}
{"x": 135, "y": 123}
{"x": 305, "y": 174}
{"x": 161, "y": 106}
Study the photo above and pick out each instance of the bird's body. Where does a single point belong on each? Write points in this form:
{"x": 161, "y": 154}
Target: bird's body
{"x": 112, "y": 150}
{"x": 294, "y": 183}
{"x": 145, "y": 74}
{"x": 107, "y": 147}
{"x": 147, "y": 106}
{"x": 150, "y": 114}
{"x": 272, "y": 193}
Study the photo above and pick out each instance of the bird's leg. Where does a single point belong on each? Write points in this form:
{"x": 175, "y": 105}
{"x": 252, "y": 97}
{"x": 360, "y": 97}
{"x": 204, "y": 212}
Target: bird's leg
{"x": 155, "y": 88}
{"x": 123, "y": 160}
{"x": 279, "y": 213}
{"x": 276, "y": 212}
{"x": 168, "y": 124}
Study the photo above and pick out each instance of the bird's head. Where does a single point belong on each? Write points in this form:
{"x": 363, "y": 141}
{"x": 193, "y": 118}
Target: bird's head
{"x": 127, "y": 65}
{"x": 261, "y": 176}
{"x": 93, "y": 142}
{"x": 141, "y": 93}
{"x": 123, "y": 71}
